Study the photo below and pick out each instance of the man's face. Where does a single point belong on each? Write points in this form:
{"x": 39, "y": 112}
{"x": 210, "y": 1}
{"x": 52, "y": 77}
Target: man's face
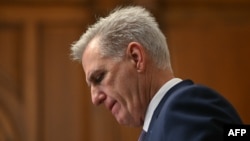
{"x": 114, "y": 84}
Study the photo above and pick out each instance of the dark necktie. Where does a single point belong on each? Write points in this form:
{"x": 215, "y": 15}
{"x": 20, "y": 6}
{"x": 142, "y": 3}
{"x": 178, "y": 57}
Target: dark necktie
{"x": 142, "y": 136}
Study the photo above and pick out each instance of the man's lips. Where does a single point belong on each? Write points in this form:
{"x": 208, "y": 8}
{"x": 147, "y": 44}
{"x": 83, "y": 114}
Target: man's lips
{"x": 110, "y": 105}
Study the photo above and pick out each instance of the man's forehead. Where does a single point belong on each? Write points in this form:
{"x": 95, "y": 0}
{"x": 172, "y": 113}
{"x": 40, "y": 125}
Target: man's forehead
{"x": 90, "y": 54}
{"x": 93, "y": 45}
{"x": 91, "y": 50}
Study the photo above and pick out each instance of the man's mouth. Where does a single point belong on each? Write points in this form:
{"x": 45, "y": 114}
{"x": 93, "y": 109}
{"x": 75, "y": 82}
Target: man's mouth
{"x": 112, "y": 107}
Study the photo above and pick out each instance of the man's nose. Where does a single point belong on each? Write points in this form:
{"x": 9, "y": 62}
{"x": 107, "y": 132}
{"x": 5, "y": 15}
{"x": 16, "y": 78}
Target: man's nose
{"x": 97, "y": 95}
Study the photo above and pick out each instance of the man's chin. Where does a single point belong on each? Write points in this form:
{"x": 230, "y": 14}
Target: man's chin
{"x": 129, "y": 123}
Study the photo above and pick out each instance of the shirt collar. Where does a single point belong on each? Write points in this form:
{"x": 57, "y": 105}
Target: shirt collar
{"x": 156, "y": 100}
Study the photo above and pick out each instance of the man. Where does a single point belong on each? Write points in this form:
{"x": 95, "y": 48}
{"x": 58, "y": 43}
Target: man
{"x": 127, "y": 65}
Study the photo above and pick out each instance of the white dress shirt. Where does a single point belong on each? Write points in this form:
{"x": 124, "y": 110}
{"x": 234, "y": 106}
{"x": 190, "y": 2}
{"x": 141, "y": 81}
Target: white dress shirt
{"x": 156, "y": 100}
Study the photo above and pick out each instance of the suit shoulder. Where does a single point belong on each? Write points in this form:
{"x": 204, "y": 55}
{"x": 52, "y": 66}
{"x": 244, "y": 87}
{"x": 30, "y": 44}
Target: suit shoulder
{"x": 194, "y": 90}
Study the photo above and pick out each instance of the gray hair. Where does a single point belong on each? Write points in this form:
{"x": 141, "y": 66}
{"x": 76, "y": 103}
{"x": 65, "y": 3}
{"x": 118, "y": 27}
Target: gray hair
{"x": 122, "y": 26}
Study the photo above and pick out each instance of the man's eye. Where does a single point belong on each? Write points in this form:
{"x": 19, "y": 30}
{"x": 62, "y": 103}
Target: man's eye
{"x": 99, "y": 78}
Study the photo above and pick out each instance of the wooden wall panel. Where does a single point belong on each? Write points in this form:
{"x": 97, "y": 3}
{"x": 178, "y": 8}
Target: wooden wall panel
{"x": 43, "y": 95}
{"x": 209, "y": 44}
{"x": 36, "y": 117}
{"x": 61, "y": 91}
{"x": 10, "y": 42}
{"x": 11, "y": 117}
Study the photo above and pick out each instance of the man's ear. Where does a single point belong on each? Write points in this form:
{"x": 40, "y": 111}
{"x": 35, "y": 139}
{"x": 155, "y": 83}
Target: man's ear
{"x": 136, "y": 54}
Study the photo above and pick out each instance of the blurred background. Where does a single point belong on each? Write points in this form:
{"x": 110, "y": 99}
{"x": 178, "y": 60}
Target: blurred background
{"x": 43, "y": 95}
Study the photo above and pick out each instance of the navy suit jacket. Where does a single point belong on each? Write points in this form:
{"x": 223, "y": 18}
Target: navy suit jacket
{"x": 190, "y": 112}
